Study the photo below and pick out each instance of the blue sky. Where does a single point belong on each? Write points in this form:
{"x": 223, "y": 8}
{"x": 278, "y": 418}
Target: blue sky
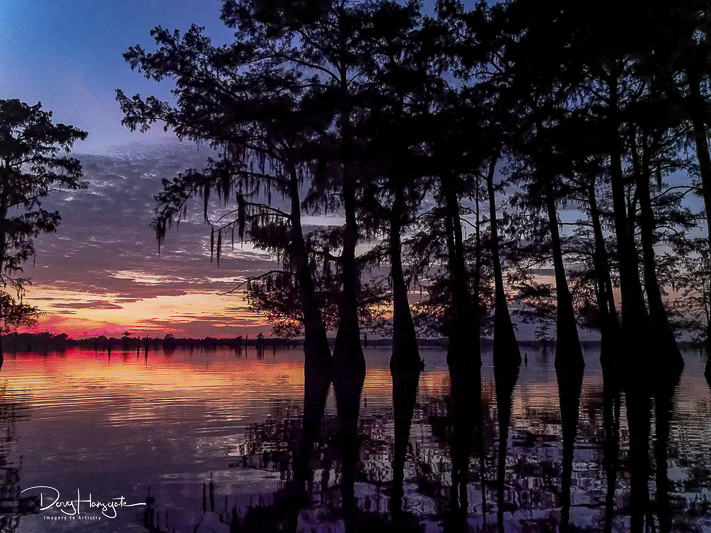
{"x": 68, "y": 54}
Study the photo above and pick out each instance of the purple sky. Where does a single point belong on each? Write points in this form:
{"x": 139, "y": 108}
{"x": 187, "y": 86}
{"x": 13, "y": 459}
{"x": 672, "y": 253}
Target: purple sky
{"x": 101, "y": 272}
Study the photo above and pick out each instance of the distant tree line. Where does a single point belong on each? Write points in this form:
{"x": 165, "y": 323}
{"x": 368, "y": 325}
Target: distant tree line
{"x": 46, "y": 342}
{"x": 455, "y": 153}
{"x": 50, "y": 342}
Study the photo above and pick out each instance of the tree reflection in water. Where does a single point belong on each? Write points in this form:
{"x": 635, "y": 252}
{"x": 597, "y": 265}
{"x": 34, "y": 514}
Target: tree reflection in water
{"x": 505, "y": 378}
{"x": 611, "y": 443}
{"x": 466, "y": 425}
{"x": 638, "y": 399}
{"x": 663, "y": 410}
{"x": 348, "y": 388}
{"x": 571, "y": 462}
{"x": 12, "y": 504}
{"x": 316, "y": 386}
{"x": 570, "y": 381}
{"x": 404, "y": 399}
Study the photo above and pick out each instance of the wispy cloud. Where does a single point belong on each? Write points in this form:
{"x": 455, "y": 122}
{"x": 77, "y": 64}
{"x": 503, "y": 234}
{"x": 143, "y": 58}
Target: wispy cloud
{"x": 103, "y": 265}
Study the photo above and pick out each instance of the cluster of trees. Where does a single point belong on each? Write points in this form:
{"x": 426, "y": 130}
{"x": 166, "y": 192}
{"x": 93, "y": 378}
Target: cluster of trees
{"x": 45, "y": 342}
{"x": 34, "y": 161}
{"x": 408, "y": 127}
{"x": 169, "y": 343}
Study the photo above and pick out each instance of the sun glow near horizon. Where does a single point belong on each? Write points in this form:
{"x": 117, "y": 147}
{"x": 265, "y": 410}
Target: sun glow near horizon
{"x": 194, "y": 314}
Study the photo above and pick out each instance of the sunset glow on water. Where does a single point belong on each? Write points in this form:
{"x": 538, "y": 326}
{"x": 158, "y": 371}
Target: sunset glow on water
{"x": 167, "y": 424}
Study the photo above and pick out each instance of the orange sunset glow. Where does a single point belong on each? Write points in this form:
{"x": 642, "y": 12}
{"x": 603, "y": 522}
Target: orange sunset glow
{"x": 102, "y": 273}
{"x": 88, "y": 315}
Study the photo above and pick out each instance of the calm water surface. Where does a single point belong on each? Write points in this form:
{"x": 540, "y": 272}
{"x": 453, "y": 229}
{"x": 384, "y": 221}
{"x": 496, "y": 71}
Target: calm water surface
{"x": 209, "y": 438}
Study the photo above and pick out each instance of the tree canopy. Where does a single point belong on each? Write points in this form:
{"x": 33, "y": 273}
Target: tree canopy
{"x": 451, "y": 148}
{"x": 32, "y": 165}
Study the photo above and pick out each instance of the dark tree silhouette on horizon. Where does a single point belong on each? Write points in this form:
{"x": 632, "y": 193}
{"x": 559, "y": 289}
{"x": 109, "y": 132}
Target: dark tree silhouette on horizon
{"x": 31, "y": 167}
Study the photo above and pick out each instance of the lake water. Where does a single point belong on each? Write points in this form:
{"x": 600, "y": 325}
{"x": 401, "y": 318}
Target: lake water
{"x": 205, "y": 439}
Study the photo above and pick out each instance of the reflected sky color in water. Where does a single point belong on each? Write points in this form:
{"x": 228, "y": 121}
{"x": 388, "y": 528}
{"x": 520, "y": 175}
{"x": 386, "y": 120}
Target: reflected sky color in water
{"x": 115, "y": 427}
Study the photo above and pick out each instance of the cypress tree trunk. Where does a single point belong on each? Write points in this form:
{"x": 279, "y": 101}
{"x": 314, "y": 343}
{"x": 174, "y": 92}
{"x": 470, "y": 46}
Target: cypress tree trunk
{"x": 476, "y": 297}
{"x": 462, "y": 315}
{"x": 405, "y": 360}
{"x": 405, "y": 357}
{"x": 702, "y": 153}
{"x": 348, "y": 360}
{"x": 664, "y": 341}
{"x": 609, "y": 324}
{"x": 348, "y": 353}
{"x": 635, "y": 319}
{"x": 505, "y": 345}
{"x": 568, "y": 351}
{"x": 317, "y": 354}
{"x": 455, "y": 344}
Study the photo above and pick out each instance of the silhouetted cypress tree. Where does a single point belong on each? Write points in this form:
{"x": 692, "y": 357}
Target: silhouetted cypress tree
{"x": 31, "y": 166}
